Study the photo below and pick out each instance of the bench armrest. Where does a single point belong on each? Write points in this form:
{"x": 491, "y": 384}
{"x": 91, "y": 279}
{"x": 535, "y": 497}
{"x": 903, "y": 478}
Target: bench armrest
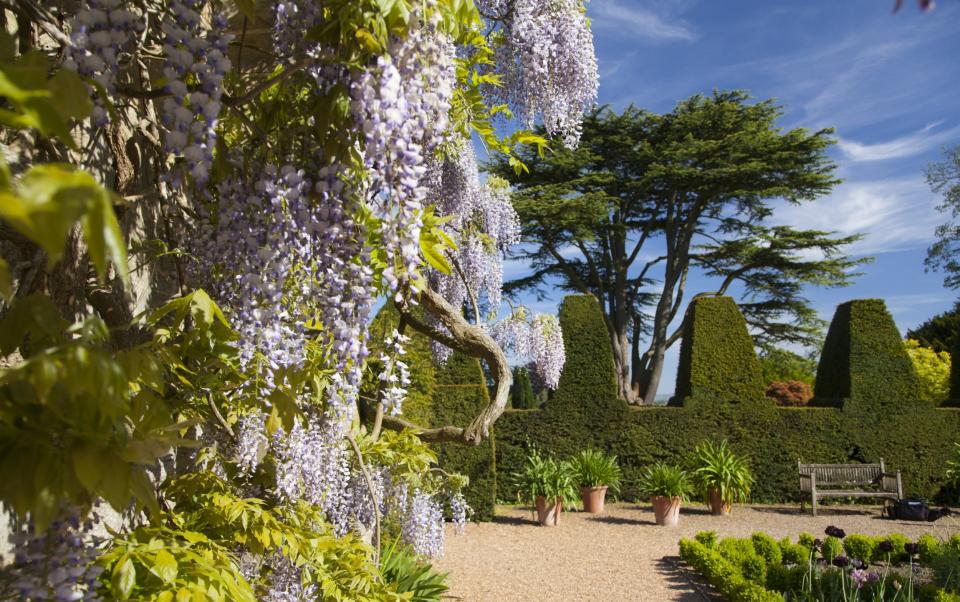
{"x": 807, "y": 481}
{"x": 890, "y": 481}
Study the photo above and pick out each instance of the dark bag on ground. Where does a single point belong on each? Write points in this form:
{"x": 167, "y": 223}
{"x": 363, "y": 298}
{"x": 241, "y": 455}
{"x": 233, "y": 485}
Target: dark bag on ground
{"x": 915, "y": 510}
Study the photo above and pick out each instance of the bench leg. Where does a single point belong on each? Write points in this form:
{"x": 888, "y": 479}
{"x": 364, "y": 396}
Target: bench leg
{"x": 814, "y": 504}
{"x": 803, "y": 505}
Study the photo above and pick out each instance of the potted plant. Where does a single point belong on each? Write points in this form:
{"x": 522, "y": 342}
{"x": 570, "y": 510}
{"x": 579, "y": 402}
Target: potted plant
{"x": 721, "y": 476}
{"x": 546, "y": 484}
{"x": 666, "y": 486}
{"x": 595, "y": 472}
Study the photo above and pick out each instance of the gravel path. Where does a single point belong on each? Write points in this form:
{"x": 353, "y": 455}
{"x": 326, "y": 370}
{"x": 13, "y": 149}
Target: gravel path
{"x": 622, "y": 555}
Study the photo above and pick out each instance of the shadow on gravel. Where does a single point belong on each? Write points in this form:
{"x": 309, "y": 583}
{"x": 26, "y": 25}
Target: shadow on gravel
{"x": 689, "y": 586}
{"x": 513, "y": 520}
{"x": 619, "y": 520}
{"x": 821, "y": 511}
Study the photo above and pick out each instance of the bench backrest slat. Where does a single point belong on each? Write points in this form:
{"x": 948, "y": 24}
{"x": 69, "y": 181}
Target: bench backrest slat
{"x": 843, "y": 473}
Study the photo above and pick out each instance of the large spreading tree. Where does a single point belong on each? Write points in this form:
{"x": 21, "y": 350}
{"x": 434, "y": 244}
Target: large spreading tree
{"x": 944, "y": 254}
{"x": 647, "y": 198}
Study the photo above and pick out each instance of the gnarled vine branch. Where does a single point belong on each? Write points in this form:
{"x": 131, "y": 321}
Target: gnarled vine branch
{"x": 467, "y": 338}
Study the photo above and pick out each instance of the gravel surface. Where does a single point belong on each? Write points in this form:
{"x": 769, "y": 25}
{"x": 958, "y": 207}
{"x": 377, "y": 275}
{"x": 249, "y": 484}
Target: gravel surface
{"x": 622, "y": 555}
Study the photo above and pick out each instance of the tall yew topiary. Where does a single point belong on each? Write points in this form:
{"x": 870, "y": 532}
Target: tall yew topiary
{"x": 521, "y": 394}
{"x": 954, "y": 399}
{"x": 717, "y": 358}
{"x": 864, "y": 364}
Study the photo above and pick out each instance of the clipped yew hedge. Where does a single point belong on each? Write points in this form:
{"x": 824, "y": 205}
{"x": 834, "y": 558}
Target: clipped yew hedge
{"x": 585, "y": 412}
{"x": 447, "y": 394}
{"x": 864, "y": 365}
{"x": 717, "y": 358}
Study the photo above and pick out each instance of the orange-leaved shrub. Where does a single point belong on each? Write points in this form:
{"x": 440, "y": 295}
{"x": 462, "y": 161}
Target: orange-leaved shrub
{"x": 790, "y": 392}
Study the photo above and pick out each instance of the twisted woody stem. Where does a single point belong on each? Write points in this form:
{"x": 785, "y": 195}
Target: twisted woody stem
{"x": 472, "y": 340}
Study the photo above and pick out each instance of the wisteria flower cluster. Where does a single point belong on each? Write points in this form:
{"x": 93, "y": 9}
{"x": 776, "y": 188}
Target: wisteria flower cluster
{"x": 540, "y": 339}
{"x": 547, "y": 63}
{"x": 99, "y": 33}
{"x": 193, "y": 51}
{"x": 294, "y": 19}
{"x": 401, "y": 107}
{"x": 58, "y": 564}
{"x": 395, "y": 375}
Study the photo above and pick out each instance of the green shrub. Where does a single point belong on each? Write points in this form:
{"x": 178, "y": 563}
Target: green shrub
{"x": 831, "y": 548}
{"x": 806, "y": 539}
{"x": 724, "y": 575}
{"x": 717, "y": 357}
{"x": 859, "y": 546}
{"x": 742, "y": 554}
{"x": 930, "y": 547}
{"x": 794, "y": 553}
{"x": 767, "y": 547}
{"x": 864, "y": 363}
{"x": 707, "y": 538}
{"x": 783, "y": 578}
{"x": 954, "y": 399}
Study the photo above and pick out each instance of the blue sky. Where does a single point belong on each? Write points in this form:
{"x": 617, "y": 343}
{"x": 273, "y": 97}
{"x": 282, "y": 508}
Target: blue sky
{"x": 885, "y": 82}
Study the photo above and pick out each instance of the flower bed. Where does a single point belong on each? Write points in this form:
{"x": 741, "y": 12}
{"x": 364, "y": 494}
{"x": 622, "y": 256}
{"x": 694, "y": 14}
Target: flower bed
{"x": 838, "y": 567}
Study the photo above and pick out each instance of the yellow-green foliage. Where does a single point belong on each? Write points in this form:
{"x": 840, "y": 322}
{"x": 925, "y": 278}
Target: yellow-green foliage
{"x": 933, "y": 370}
{"x": 717, "y": 358}
{"x": 724, "y": 574}
{"x": 861, "y": 547}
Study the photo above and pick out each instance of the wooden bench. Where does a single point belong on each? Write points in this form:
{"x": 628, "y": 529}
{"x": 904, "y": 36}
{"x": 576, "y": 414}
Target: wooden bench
{"x": 847, "y": 480}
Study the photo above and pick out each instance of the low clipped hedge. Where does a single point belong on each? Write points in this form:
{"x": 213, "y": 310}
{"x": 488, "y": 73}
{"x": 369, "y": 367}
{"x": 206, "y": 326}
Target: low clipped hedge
{"x": 759, "y": 568}
{"x": 723, "y": 574}
{"x": 585, "y": 412}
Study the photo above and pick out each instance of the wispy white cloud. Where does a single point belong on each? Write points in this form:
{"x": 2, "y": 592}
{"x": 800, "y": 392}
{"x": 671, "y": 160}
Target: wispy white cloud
{"x": 909, "y": 303}
{"x": 905, "y": 146}
{"x": 892, "y": 214}
{"x": 627, "y": 18}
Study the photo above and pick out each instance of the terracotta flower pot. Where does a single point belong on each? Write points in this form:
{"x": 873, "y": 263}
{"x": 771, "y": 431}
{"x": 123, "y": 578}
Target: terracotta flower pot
{"x": 666, "y": 510}
{"x": 549, "y": 513}
{"x": 717, "y": 506}
{"x": 593, "y": 498}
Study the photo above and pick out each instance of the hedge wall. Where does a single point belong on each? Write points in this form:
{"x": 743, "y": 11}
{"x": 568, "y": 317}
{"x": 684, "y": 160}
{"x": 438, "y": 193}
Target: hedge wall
{"x": 447, "y": 394}
{"x": 954, "y": 399}
{"x": 915, "y": 439}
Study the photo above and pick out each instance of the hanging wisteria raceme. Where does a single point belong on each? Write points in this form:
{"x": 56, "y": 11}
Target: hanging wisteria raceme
{"x": 344, "y": 287}
{"x": 56, "y": 565}
{"x": 401, "y": 106}
{"x": 260, "y": 233}
{"x": 190, "y": 115}
{"x": 286, "y": 581}
{"x": 99, "y": 33}
{"x": 395, "y": 375}
{"x": 458, "y": 511}
{"x": 294, "y": 20}
{"x": 547, "y": 347}
{"x": 252, "y": 443}
{"x": 422, "y": 527}
{"x": 313, "y": 465}
{"x": 540, "y": 339}
{"x": 547, "y": 64}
